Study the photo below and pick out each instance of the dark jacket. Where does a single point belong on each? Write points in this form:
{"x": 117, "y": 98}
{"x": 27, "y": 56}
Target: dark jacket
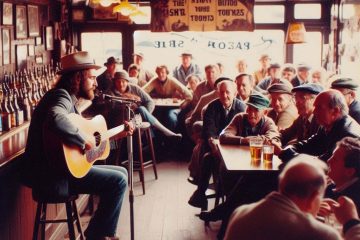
{"x": 40, "y": 167}
{"x": 322, "y": 144}
{"x": 352, "y": 191}
{"x": 296, "y": 81}
{"x": 354, "y": 110}
{"x": 104, "y": 81}
{"x": 300, "y": 130}
{"x": 215, "y": 119}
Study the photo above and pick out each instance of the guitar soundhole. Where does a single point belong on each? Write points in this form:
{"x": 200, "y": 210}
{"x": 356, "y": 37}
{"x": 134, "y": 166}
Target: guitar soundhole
{"x": 97, "y": 136}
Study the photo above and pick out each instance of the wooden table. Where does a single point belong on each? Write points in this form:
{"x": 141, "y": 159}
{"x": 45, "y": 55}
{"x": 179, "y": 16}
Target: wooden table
{"x": 168, "y": 102}
{"x": 237, "y": 159}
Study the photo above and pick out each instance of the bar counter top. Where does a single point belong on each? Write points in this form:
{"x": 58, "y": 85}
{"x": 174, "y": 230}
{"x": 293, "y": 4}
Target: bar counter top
{"x": 12, "y": 143}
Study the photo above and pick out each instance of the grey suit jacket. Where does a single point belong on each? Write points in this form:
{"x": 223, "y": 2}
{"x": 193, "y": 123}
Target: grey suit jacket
{"x": 276, "y": 217}
{"x": 40, "y": 168}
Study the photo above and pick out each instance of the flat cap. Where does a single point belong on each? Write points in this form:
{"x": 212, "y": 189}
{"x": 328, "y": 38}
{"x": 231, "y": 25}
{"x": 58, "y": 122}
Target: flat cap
{"x": 303, "y": 67}
{"x": 121, "y": 75}
{"x": 344, "y": 82}
{"x": 312, "y": 88}
{"x": 274, "y": 65}
{"x": 258, "y": 101}
{"x": 280, "y": 88}
{"x": 140, "y": 54}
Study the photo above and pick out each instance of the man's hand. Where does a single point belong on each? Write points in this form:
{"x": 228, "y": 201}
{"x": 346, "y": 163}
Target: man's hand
{"x": 129, "y": 128}
{"x": 344, "y": 209}
{"x": 212, "y": 144}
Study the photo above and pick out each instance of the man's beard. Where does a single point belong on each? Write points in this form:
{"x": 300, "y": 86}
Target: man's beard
{"x": 87, "y": 94}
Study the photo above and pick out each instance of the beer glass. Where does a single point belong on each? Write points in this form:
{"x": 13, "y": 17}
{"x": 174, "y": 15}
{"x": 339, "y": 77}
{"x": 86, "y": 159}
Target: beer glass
{"x": 268, "y": 152}
{"x": 256, "y": 144}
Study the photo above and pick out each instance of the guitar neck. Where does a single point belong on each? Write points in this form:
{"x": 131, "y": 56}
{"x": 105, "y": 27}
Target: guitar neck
{"x": 112, "y": 132}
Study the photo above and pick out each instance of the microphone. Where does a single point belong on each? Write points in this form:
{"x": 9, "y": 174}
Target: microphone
{"x": 118, "y": 99}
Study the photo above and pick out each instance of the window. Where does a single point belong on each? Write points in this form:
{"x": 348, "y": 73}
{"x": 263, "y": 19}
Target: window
{"x": 309, "y": 52}
{"x": 269, "y": 14}
{"x": 307, "y": 11}
{"x": 102, "y": 45}
{"x": 141, "y": 19}
{"x": 209, "y": 47}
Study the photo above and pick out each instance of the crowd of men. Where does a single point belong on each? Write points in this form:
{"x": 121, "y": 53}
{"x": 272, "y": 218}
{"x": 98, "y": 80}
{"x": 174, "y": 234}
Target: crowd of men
{"x": 312, "y": 121}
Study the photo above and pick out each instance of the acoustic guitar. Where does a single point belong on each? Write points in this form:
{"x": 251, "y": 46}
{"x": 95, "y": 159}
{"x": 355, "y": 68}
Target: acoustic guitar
{"x": 79, "y": 161}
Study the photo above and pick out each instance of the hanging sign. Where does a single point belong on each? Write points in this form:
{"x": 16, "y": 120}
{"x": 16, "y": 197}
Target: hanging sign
{"x": 202, "y": 15}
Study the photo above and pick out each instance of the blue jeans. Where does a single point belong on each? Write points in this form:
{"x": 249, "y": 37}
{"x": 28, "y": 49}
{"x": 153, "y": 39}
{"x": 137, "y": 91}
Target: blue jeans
{"x": 146, "y": 115}
{"x": 109, "y": 183}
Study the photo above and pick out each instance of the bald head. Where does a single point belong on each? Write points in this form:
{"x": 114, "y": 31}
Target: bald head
{"x": 303, "y": 177}
{"x": 329, "y": 106}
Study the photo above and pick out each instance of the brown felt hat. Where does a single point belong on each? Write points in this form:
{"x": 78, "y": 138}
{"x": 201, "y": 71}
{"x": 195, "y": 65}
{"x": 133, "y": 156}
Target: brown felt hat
{"x": 76, "y": 62}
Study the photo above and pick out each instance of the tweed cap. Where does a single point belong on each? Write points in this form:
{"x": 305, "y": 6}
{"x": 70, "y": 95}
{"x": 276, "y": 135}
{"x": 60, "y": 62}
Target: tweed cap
{"x": 280, "y": 88}
{"x": 258, "y": 101}
{"x": 312, "y": 88}
{"x": 121, "y": 75}
{"x": 344, "y": 82}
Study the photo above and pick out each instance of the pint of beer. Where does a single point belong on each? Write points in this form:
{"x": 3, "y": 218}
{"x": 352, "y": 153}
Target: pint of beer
{"x": 268, "y": 152}
{"x": 256, "y": 144}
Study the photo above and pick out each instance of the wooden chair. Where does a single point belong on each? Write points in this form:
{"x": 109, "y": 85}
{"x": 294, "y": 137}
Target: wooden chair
{"x": 71, "y": 213}
{"x": 140, "y": 164}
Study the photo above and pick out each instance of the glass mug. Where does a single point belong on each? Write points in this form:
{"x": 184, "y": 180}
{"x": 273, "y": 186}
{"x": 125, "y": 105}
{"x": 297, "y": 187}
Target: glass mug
{"x": 256, "y": 145}
{"x": 268, "y": 153}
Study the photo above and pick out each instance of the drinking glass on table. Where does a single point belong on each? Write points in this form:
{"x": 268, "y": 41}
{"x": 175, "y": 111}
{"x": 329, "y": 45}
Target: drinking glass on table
{"x": 268, "y": 152}
{"x": 256, "y": 144}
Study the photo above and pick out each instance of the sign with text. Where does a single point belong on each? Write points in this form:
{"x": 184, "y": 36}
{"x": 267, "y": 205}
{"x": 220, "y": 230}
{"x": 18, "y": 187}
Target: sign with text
{"x": 202, "y": 15}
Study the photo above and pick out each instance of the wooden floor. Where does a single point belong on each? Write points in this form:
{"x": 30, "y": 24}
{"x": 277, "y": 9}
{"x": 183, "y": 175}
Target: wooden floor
{"x": 163, "y": 212}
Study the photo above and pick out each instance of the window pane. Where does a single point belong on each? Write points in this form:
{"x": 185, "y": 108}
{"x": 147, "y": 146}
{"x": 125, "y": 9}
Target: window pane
{"x": 141, "y": 19}
{"x": 269, "y": 14}
{"x": 309, "y": 52}
{"x": 348, "y": 11}
{"x": 102, "y": 45}
{"x": 209, "y": 47}
{"x": 308, "y": 11}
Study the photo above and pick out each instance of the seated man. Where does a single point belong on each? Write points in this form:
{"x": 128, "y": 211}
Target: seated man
{"x": 244, "y": 83}
{"x": 217, "y": 115}
{"x": 331, "y": 112}
{"x": 289, "y": 213}
{"x": 164, "y": 86}
{"x": 348, "y": 87}
{"x": 283, "y": 110}
{"x": 344, "y": 170}
{"x": 305, "y": 125}
{"x": 122, "y": 88}
{"x": 46, "y": 172}
{"x": 345, "y": 212}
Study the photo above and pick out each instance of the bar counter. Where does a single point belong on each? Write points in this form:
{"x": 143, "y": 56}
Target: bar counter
{"x": 17, "y": 208}
{"x": 12, "y": 143}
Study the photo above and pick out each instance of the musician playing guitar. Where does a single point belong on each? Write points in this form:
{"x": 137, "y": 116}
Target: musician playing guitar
{"x": 44, "y": 167}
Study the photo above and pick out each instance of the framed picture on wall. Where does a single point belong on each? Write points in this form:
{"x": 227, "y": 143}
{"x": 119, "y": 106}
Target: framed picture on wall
{"x": 33, "y": 20}
{"x": 49, "y": 38}
{"x": 6, "y": 46}
{"x": 1, "y": 51}
{"x": 21, "y": 55}
{"x": 7, "y": 18}
{"x": 78, "y": 15}
{"x": 21, "y": 22}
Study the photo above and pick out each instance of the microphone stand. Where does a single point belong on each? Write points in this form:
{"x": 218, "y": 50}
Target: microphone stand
{"x": 129, "y": 139}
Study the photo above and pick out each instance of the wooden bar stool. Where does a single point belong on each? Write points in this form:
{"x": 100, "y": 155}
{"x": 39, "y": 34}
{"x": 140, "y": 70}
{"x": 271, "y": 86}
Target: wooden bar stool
{"x": 140, "y": 164}
{"x": 71, "y": 213}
